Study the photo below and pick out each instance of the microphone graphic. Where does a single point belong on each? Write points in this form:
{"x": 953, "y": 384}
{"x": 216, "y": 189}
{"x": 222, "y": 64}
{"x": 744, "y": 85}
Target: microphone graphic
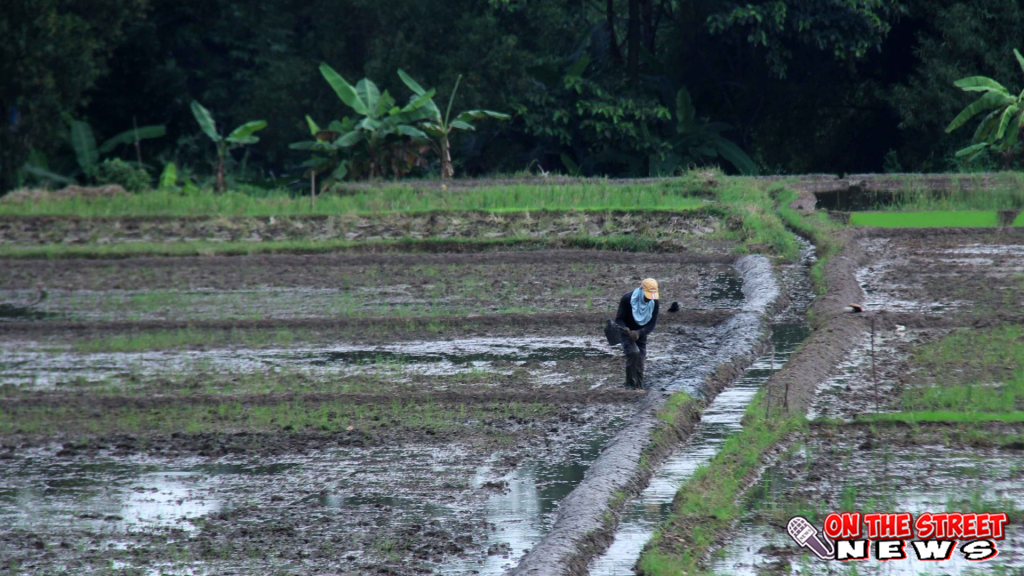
{"x": 807, "y": 537}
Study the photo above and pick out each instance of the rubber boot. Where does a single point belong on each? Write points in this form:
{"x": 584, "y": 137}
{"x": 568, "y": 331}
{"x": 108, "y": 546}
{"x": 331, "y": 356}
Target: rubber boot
{"x": 636, "y": 359}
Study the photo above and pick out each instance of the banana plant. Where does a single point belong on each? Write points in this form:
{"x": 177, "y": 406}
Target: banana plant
{"x": 240, "y": 136}
{"x": 1001, "y": 127}
{"x": 696, "y": 140}
{"x": 439, "y": 127}
{"x": 326, "y": 150}
{"x": 385, "y": 135}
{"x": 88, "y": 154}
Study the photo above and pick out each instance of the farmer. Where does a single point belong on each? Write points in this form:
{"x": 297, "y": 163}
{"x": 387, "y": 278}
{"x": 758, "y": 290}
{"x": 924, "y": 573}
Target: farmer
{"x": 638, "y": 314}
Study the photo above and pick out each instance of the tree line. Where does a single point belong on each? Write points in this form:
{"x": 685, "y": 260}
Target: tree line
{"x": 591, "y": 87}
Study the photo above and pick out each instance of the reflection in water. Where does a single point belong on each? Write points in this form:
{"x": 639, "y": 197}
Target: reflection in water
{"x": 720, "y": 420}
{"x": 39, "y": 369}
{"x": 164, "y": 499}
{"x": 114, "y": 495}
{"x": 523, "y": 513}
{"x": 885, "y": 481}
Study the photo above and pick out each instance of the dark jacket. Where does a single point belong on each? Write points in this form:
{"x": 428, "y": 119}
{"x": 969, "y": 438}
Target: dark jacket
{"x": 625, "y": 317}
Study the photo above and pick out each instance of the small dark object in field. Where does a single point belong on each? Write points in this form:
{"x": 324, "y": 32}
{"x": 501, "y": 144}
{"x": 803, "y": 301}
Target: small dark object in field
{"x": 674, "y": 307}
{"x": 613, "y": 333}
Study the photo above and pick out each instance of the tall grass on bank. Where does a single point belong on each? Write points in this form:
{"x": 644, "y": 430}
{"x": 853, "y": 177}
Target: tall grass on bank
{"x": 818, "y": 228}
{"x": 1003, "y": 191}
{"x": 940, "y": 219}
{"x": 761, "y": 228}
{"x": 676, "y": 194}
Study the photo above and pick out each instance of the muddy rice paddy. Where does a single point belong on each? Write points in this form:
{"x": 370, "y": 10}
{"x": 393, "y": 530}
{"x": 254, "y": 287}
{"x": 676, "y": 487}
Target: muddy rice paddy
{"x": 394, "y": 412}
{"x": 341, "y": 413}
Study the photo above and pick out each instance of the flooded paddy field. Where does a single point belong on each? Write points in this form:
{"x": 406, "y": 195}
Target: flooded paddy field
{"x": 963, "y": 274}
{"x": 826, "y": 470}
{"x": 922, "y": 413}
{"x": 332, "y": 414}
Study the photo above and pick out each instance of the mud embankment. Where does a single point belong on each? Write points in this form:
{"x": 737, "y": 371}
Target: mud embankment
{"x": 40, "y": 230}
{"x": 836, "y": 332}
{"x": 584, "y": 525}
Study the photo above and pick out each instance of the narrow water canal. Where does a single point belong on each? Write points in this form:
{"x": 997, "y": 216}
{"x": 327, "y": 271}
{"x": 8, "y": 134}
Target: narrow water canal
{"x": 720, "y": 420}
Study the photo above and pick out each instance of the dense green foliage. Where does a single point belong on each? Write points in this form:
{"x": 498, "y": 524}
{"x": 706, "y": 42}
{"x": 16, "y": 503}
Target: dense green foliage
{"x": 1003, "y": 122}
{"x": 52, "y": 54}
{"x": 592, "y": 88}
{"x": 128, "y": 176}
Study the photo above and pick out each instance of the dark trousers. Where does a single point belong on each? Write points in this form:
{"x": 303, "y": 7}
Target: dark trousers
{"x": 635, "y": 363}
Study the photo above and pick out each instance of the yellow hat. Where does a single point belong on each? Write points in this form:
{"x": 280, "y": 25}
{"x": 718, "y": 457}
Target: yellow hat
{"x": 650, "y": 287}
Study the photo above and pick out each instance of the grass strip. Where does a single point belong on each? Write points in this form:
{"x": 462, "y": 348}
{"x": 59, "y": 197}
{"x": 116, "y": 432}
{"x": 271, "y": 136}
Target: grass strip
{"x": 747, "y": 202}
{"x": 709, "y": 501}
{"x": 291, "y": 416}
{"x": 943, "y": 219}
{"x": 1002, "y": 191}
{"x": 186, "y": 338}
{"x": 818, "y": 228}
{"x": 942, "y": 416}
{"x": 674, "y": 194}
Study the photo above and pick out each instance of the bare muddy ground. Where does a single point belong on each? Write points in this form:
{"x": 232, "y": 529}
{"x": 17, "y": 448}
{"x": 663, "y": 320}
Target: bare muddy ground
{"x": 407, "y": 507}
{"x": 695, "y": 228}
{"x": 953, "y": 274}
{"x": 349, "y": 286}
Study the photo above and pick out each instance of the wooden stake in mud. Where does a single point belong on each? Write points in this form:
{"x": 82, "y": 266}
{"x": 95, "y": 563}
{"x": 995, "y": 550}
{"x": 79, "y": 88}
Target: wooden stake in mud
{"x": 768, "y": 386}
{"x": 874, "y": 376}
{"x": 138, "y": 143}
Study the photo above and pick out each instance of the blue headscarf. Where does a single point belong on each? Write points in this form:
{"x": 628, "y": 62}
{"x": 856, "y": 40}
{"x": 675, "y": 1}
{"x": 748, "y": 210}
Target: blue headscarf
{"x": 641, "y": 310}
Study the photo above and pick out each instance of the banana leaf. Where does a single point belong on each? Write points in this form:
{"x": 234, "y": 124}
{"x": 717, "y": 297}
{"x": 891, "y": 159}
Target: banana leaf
{"x": 344, "y": 90}
{"x": 129, "y": 136}
{"x": 84, "y": 144}
{"x": 205, "y": 120}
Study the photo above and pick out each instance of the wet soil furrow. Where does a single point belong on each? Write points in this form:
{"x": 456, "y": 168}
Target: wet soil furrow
{"x": 511, "y": 322}
{"x": 34, "y": 230}
{"x": 447, "y": 397}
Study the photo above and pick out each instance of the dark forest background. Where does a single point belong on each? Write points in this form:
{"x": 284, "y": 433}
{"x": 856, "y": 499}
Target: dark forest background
{"x": 804, "y": 86}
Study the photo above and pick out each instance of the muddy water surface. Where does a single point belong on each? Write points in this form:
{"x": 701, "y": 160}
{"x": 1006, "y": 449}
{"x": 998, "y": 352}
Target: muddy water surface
{"x": 28, "y": 365}
{"x": 875, "y": 480}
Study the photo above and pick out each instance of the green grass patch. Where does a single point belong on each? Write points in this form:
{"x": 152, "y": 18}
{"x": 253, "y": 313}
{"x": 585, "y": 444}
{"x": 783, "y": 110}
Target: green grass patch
{"x": 676, "y": 194}
{"x": 943, "y": 416}
{"x": 989, "y": 355}
{"x": 292, "y": 416}
{"x": 761, "y": 228}
{"x": 969, "y": 376}
{"x": 945, "y": 219}
{"x": 186, "y": 338}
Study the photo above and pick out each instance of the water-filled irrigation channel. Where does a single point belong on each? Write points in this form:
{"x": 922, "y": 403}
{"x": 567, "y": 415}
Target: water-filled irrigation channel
{"x": 720, "y": 420}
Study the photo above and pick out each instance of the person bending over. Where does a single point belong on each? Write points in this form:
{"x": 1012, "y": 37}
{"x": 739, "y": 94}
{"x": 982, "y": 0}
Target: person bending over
{"x": 638, "y": 313}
